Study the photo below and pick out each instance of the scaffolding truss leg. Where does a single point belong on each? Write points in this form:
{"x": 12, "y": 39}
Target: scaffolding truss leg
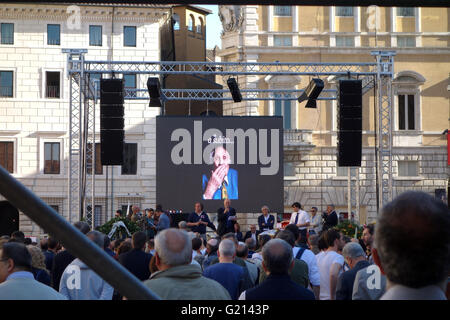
{"x": 385, "y": 74}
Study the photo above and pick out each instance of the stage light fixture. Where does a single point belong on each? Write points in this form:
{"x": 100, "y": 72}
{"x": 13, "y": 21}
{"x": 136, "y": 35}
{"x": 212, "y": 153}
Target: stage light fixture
{"x": 234, "y": 89}
{"x": 154, "y": 90}
{"x": 311, "y": 92}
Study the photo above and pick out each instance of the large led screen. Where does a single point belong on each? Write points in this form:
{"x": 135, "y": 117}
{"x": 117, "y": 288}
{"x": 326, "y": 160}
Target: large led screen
{"x": 210, "y": 159}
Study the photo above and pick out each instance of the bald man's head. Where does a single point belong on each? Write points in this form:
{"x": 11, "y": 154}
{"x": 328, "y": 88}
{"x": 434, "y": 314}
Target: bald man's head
{"x": 212, "y": 246}
{"x": 277, "y": 256}
{"x": 173, "y": 247}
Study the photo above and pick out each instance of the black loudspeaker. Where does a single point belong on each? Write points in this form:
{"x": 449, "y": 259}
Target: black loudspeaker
{"x": 349, "y": 123}
{"x": 111, "y": 121}
{"x": 311, "y": 92}
{"x": 112, "y": 98}
{"x": 111, "y": 124}
{"x": 154, "y": 91}
{"x": 111, "y": 111}
{"x": 111, "y": 142}
{"x": 234, "y": 89}
{"x": 154, "y": 88}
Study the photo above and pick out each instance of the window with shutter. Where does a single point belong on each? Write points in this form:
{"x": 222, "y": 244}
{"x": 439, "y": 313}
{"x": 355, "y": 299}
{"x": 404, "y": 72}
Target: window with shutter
{"x": 344, "y": 11}
{"x": 97, "y": 215}
{"x": 7, "y": 33}
{"x": 98, "y": 162}
{"x": 7, "y": 155}
{"x": 129, "y": 36}
{"x": 6, "y": 83}
{"x": 95, "y": 36}
{"x": 405, "y": 12}
{"x": 283, "y": 108}
{"x": 51, "y": 158}
{"x": 53, "y": 84}
{"x": 129, "y": 166}
{"x": 408, "y": 168}
{"x": 406, "y": 112}
{"x": 283, "y": 11}
{"x": 53, "y": 34}
{"x": 130, "y": 85}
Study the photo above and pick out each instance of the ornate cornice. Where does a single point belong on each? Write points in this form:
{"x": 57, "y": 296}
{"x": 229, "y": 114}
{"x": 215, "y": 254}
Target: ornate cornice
{"x": 44, "y": 12}
{"x": 232, "y": 18}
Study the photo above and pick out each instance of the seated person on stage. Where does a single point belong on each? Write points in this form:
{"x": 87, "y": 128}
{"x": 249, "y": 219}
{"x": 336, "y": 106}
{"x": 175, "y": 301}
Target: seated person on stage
{"x": 266, "y": 220}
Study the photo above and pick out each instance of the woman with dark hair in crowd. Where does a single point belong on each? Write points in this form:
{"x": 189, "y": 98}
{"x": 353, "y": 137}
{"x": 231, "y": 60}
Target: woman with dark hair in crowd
{"x": 322, "y": 243}
{"x": 125, "y": 246}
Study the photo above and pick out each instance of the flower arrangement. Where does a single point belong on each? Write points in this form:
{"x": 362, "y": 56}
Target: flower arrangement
{"x": 131, "y": 226}
{"x": 348, "y": 228}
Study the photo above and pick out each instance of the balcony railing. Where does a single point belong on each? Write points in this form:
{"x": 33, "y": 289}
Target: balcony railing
{"x": 52, "y": 92}
{"x": 131, "y": 92}
{"x": 54, "y": 42}
{"x": 7, "y": 39}
{"x": 6, "y": 92}
{"x": 297, "y": 137}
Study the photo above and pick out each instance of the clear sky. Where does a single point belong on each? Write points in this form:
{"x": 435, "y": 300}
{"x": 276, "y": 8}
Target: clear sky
{"x": 213, "y": 27}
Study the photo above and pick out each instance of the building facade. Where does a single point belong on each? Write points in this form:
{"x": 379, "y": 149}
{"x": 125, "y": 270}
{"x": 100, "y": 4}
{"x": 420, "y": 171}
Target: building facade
{"x": 188, "y": 34}
{"x": 34, "y": 102}
{"x": 34, "y": 95}
{"x": 421, "y": 106}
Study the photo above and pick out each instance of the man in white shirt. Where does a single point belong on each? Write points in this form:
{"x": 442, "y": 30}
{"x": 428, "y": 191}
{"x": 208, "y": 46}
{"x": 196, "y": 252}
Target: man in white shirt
{"x": 330, "y": 265}
{"x": 300, "y": 218}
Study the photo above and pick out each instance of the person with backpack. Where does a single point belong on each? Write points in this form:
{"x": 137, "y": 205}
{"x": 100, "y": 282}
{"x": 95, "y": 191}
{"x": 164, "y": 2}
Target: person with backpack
{"x": 301, "y": 251}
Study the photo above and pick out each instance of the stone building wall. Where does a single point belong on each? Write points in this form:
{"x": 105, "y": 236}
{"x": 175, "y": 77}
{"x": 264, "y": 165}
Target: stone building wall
{"x": 29, "y": 118}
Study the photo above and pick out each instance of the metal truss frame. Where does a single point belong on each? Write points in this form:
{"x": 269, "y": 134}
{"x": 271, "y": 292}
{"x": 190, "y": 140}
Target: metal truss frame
{"x": 75, "y": 68}
{"x": 82, "y": 104}
{"x": 90, "y": 156}
{"x": 81, "y": 139}
{"x": 229, "y": 68}
{"x": 385, "y": 62}
{"x": 224, "y": 95}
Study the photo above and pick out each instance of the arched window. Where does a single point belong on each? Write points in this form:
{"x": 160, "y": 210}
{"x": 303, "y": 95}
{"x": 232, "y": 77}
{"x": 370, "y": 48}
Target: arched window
{"x": 200, "y": 26}
{"x": 176, "y": 21}
{"x": 407, "y": 100}
{"x": 191, "y": 24}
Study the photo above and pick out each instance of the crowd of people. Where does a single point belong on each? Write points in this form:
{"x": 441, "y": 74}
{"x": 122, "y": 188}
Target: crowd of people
{"x": 406, "y": 255}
